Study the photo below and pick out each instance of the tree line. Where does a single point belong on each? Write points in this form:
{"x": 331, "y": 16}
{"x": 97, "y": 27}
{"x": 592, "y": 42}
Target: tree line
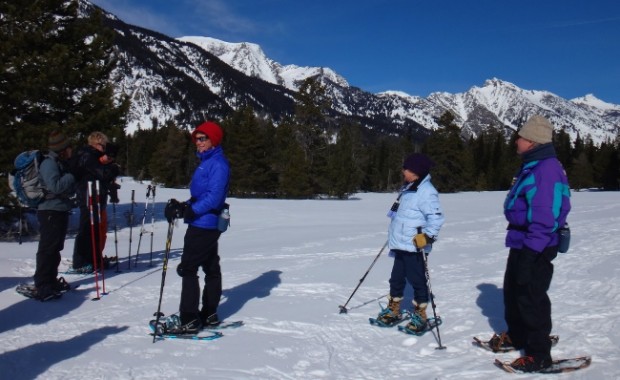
{"x": 302, "y": 160}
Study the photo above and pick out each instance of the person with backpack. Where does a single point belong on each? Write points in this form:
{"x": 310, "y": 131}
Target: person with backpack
{"x": 416, "y": 218}
{"x": 53, "y": 216}
{"x": 535, "y": 207}
{"x": 91, "y": 163}
{"x": 208, "y": 190}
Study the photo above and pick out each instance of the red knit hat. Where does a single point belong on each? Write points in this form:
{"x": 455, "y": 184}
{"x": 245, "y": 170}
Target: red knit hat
{"x": 212, "y": 130}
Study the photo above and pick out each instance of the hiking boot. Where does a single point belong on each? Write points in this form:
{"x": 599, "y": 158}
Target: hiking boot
{"x": 109, "y": 262}
{"x": 192, "y": 327}
{"x": 210, "y": 321}
{"x": 392, "y": 313}
{"x": 46, "y": 292}
{"x": 86, "y": 269}
{"x": 530, "y": 364}
{"x": 61, "y": 285}
{"x": 501, "y": 343}
{"x": 418, "y": 318}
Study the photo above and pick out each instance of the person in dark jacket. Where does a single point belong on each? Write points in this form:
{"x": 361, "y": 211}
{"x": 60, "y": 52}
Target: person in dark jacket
{"x": 536, "y": 206}
{"x": 208, "y": 189}
{"x": 53, "y": 216}
{"x": 90, "y": 164}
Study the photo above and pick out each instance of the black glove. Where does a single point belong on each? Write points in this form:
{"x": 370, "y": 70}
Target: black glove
{"x": 189, "y": 213}
{"x": 174, "y": 210}
{"x": 113, "y": 192}
{"x": 111, "y": 150}
{"x": 114, "y": 170}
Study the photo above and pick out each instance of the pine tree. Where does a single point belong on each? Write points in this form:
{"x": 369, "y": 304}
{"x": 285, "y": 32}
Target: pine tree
{"x": 55, "y": 68}
{"x": 345, "y": 174}
{"x": 249, "y": 148}
{"x": 453, "y": 171}
{"x": 310, "y": 125}
{"x": 291, "y": 164}
{"x": 168, "y": 162}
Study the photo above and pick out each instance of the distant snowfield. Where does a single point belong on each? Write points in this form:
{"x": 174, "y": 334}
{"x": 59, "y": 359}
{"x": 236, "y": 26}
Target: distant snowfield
{"x": 287, "y": 266}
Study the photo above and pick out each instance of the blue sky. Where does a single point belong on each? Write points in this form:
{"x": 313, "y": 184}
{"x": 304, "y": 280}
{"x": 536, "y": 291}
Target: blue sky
{"x": 568, "y": 47}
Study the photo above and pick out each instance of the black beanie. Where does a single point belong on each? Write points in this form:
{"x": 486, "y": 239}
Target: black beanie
{"x": 419, "y": 164}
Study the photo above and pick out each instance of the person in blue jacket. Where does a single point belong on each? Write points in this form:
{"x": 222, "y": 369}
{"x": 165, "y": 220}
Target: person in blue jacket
{"x": 208, "y": 189}
{"x": 416, "y": 219}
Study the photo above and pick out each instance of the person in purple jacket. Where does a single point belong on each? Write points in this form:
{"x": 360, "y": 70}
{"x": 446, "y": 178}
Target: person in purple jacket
{"x": 208, "y": 190}
{"x": 536, "y": 207}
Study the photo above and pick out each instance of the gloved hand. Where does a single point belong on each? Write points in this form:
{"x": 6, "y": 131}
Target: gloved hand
{"x": 174, "y": 210}
{"x": 113, "y": 192}
{"x": 188, "y": 213}
{"x": 422, "y": 240}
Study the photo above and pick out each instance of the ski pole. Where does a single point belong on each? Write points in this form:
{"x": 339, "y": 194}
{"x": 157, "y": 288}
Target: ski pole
{"x": 92, "y": 236}
{"x": 130, "y": 221}
{"x": 146, "y": 207}
{"x": 430, "y": 292}
{"x": 115, "y": 237}
{"x": 152, "y": 227}
{"x": 21, "y": 223}
{"x": 158, "y": 314}
{"x": 99, "y": 234}
{"x": 343, "y": 308}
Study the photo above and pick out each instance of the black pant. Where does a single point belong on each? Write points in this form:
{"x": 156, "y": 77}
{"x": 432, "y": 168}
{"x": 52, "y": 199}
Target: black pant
{"x": 53, "y": 228}
{"x": 409, "y": 266}
{"x": 527, "y": 305}
{"x": 83, "y": 248}
{"x": 200, "y": 250}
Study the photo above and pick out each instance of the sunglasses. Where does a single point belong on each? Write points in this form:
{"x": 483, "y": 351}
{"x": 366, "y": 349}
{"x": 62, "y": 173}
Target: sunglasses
{"x": 202, "y": 138}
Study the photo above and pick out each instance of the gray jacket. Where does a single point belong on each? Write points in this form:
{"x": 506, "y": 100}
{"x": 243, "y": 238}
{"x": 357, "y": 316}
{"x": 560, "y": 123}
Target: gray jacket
{"x": 59, "y": 183}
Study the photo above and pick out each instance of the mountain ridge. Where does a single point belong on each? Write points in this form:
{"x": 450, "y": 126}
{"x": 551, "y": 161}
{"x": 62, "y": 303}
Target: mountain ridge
{"x": 189, "y": 79}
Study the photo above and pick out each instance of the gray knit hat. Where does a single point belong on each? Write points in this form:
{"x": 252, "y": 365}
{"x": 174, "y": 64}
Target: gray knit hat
{"x": 537, "y": 129}
{"x": 57, "y": 141}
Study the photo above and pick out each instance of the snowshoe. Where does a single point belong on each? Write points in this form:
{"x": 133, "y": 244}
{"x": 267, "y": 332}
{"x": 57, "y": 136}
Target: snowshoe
{"x": 415, "y": 329}
{"x": 44, "y": 293}
{"x": 502, "y": 343}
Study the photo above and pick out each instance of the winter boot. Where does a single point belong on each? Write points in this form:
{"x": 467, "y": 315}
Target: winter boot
{"x": 501, "y": 342}
{"x": 46, "y": 292}
{"x": 418, "y": 318}
{"x": 61, "y": 285}
{"x": 209, "y": 320}
{"x": 530, "y": 364}
{"x": 392, "y": 313}
{"x": 189, "y": 323}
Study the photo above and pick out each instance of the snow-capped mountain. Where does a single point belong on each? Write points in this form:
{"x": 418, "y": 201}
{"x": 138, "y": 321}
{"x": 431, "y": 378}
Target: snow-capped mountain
{"x": 250, "y": 59}
{"x": 189, "y": 79}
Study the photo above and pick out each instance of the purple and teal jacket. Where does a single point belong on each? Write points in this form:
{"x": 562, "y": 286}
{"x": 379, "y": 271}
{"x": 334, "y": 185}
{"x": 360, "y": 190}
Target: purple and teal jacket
{"x": 538, "y": 201}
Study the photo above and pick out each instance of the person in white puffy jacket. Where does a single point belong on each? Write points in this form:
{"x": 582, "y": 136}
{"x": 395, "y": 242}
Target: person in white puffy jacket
{"x": 416, "y": 219}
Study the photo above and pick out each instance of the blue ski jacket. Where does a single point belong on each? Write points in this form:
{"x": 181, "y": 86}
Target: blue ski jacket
{"x": 209, "y": 187}
{"x": 418, "y": 208}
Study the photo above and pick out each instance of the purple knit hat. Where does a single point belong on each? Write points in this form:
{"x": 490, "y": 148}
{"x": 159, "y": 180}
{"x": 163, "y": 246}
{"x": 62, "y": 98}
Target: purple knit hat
{"x": 419, "y": 164}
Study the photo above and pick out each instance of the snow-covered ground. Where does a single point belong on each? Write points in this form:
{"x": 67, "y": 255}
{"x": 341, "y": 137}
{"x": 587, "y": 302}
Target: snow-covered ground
{"x": 287, "y": 266}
